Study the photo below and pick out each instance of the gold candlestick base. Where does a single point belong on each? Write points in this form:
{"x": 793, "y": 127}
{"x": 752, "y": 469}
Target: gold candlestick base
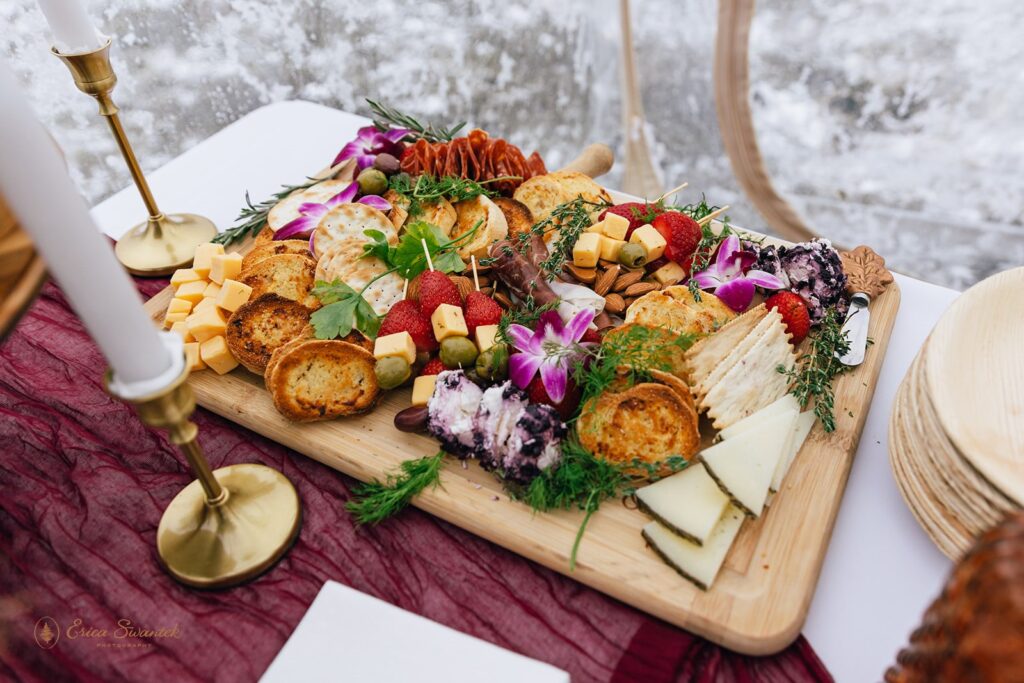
{"x": 229, "y": 525}
{"x": 163, "y": 243}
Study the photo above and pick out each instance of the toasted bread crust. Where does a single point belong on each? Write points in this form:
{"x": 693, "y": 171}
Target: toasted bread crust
{"x": 262, "y": 325}
{"x": 323, "y": 379}
{"x": 517, "y": 215}
{"x": 265, "y": 235}
{"x": 273, "y": 248}
{"x": 288, "y": 275}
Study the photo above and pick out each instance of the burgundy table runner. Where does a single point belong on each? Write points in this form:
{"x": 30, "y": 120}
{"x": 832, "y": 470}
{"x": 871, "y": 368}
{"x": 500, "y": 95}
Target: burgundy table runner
{"x": 83, "y": 484}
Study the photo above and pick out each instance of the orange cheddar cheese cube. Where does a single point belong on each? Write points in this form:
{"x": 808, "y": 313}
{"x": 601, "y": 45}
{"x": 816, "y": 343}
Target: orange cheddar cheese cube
{"x": 233, "y": 294}
{"x": 448, "y": 321}
{"x": 191, "y": 291}
{"x": 203, "y": 260}
{"x": 183, "y": 275}
{"x": 651, "y": 240}
{"x": 215, "y": 353}
{"x": 192, "y": 357}
{"x": 398, "y": 344}
{"x": 423, "y": 389}
{"x": 206, "y": 324}
{"x": 225, "y": 267}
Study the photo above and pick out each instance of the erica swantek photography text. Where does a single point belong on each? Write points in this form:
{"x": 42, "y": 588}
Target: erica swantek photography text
{"x": 125, "y": 633}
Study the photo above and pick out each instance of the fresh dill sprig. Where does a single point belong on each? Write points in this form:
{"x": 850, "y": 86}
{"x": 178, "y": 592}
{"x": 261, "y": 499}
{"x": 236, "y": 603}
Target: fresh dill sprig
{"x": 425, "y": 189}
{"x": 255, "y": 215}
{"x": 569, "y": 219}
{"x": 376, "y": 501}
{"x": 385, "y": 117}
{"x": 818, "y": 366}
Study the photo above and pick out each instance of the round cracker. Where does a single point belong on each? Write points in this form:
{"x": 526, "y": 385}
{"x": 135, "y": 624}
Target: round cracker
{"x": 347, "y": 222}
{"x": 287, "y": 210}
{"x": 347, "y": 263}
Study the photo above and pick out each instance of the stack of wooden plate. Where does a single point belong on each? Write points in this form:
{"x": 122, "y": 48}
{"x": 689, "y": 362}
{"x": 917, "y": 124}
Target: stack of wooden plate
{"x": 956, "y": 435}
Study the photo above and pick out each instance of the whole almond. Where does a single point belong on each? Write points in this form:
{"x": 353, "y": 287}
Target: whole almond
{"x": 413, "y": 291}
{"x": 484, "y": 281}
{"x": 615, "y": 304}
{"x": 584, "y": 275}
{"x": 503, "y": 300}
{"x": 464, "y": 284}
{"x": 605, "y": 263}
{"x": 640, "y": 288}
{"x": 626, "y": 279}
{"x": 605, "y": 280}
{"x": 487, "y": 290}
{"x": 629, "y": 300}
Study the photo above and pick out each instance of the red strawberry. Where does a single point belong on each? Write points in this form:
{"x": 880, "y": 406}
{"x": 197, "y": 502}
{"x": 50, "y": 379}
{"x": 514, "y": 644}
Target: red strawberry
{"x": 437, "y": 289}
{"x": 536, "y": 393}
{"x": 682, "y": 234}
{"x": 794, "y": 314}
{"x": 591, "y": 336}
{"x": 481, "y": 310}
{"x": 434, "y": 366}
{"x": 405, "y": 316}
{"x": 637, "y": 213}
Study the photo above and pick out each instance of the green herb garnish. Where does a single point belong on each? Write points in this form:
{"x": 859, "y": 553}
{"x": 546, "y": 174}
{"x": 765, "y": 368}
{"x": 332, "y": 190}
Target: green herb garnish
{"x": 569, "y": 220}
{"x": 255, "y": 215}
{"x": 385, "y": 117}
{"x": 376, "y": 501}
{"x": 344, "y": 309}
{"x": 526, "y": 314}
{"x": 426, "y": 189}
{"x": 812, "y": 377}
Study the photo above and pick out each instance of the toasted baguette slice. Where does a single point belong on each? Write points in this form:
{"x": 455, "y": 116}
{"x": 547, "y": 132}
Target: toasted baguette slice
{"x": 265, "y": 235}
{"x": 287, "y": 275}
{"x": 706, "y": 353}
{"x": 666, "y": 354}
{"x": 323, "y": 379}
{"x": 272, "y": 248}
{"x": 262, "y": 325}
{"x": 287, "y": 209}
{"x": 492, "y": 226}
{"x": 517, "y": 215}
{"x": 542, "y": 193}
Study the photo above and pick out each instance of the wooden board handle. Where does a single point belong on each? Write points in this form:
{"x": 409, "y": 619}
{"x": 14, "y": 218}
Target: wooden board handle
{"x": 595, "y": 160}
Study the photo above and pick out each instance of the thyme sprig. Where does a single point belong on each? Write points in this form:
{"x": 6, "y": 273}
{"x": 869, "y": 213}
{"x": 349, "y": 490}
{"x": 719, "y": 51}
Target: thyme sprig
{"x": 568, "y": 220}
{"x": 425, "y": 189}
{"x": 376, "y": 501}
{"x": 385, "y": 117}
{"x": 254, "y": 216}
{"x": 818, "y": 366}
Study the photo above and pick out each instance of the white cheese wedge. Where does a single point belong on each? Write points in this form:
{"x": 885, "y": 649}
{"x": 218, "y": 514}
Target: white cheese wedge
{"x": 699, "y": 564}
{"x": 743, "y": 466}
{"x": 690, "y": 503}
{"x": 802, "y": 427}
{"x": 786, "y": 404}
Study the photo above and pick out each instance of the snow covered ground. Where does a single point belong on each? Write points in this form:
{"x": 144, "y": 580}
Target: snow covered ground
{"x": 892, "y": 124}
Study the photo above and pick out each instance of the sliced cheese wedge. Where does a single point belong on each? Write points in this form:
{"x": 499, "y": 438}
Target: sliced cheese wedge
{"x": 743, "y": 466}
{"x": 802, "y": 427}
{"x": 689, "y": 503}
{"x": 787, "y": 403}
{"x": 699, "y": 564}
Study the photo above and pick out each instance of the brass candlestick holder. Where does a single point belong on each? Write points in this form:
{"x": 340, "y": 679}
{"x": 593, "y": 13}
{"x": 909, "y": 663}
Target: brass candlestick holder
{"x": 229, "y": 525}
{"x": 163, "y": 242}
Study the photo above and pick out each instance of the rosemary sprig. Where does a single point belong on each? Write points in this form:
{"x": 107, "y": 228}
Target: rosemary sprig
{"x": 385, "y": 117}
{"x": 812, "y": 377}
{"x": 376, "y": 501}
{"x": 255, "y": 215}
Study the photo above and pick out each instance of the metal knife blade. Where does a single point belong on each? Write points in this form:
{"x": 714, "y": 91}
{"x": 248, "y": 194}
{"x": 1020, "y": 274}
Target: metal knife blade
{"x": 856, "y": 329}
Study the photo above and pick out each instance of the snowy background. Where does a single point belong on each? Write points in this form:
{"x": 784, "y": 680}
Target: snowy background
{"x": 896, "y": 124}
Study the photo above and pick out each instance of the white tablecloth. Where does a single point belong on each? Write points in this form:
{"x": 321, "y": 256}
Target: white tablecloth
{"x": 881, "y": 570}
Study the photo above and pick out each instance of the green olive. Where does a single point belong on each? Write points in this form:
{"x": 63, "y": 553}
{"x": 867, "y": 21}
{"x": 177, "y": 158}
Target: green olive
{"x": 632, "y": 255}
{"x": 458, "y": 352}
{"x": 372, "y": 181}
{"x": 493, "y": 363}
{"x": 392, "y": 371}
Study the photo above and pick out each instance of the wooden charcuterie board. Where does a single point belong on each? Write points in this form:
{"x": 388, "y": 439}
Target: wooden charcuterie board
{"x": 760, "y": 600}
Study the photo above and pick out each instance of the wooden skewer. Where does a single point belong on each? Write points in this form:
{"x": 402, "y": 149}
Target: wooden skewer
{"x": 430, "y": 264}
{"x": 713, "y": 215}
{"x": 670, "y": 193}
{"x": 476, "y": 278}
{"x": 405, "y": 290}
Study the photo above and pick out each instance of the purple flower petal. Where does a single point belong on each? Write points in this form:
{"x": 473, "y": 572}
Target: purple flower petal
{"x": 523, "y": 338}
{"x": 365, "y": 161}
{"x": 707, "y": 279}
{"x": 727, "y": 254}
{"x": 554, "y": 378}
{"x": 314, "y": 209}
{"x": 346, "y": 195}
{"x": 551, "y": 320}
{"x": 745, "y": 259}
{"x": 367, "y": 133}
{"x": 298, "y": 228}
{"x": 376, "y": 202}
{"x": 395, "y": 135}
{"x": 764, "y": 279}
{"x": 577, "y": 327}
{"x": 312, "y": 245}
{"x": 522, "y": 367}
{"x": 736, "y": 294}
{"x": 352, "y": 149}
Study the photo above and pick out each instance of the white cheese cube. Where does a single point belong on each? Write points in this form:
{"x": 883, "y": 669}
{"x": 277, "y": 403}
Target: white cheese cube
{"x": 610, "y": 248}
{"x": 485, "y": 335}
{"x": 651, "y": 240}
{"x": 587, "y": 250}
{"x": 423, "y": 389}
{"x": 448, "y": 321}
{"x": 615, "y": 226}
{"x": 669, "y": 274}
{"x": 398, "y": 344}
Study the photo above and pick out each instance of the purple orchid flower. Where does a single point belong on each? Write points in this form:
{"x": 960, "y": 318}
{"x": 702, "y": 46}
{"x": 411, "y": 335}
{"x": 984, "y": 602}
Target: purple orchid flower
{"x": 369, "y": 143}
{"x": 550, "y": 348}
{"x": 310, "y": 213}
{"x": 729, "y": 278}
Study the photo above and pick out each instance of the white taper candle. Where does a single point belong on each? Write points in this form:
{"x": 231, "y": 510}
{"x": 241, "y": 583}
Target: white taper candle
{"x": 36, "y": 185}
{"x": 72, "y": 29}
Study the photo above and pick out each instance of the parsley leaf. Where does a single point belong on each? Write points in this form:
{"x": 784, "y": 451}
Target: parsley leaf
{"x": 344, "y": 309}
